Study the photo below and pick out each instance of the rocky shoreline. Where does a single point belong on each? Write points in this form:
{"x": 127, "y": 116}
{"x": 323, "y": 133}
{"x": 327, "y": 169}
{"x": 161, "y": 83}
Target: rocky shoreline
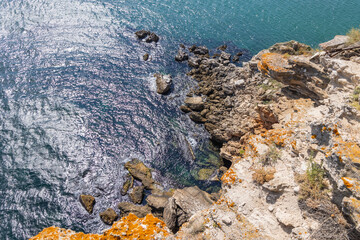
{"x": 287, "y": 122}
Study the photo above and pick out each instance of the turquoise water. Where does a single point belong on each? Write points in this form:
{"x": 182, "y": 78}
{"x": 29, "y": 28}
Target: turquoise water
{"x": 77, "y": 101}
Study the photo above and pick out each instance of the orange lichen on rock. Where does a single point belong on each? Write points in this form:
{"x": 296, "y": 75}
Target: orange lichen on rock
{"x": 352, "y": 184}
{"x": 229, "y": 177}
{"x": 273, "y": 62}
{"x": 130, "y": 227}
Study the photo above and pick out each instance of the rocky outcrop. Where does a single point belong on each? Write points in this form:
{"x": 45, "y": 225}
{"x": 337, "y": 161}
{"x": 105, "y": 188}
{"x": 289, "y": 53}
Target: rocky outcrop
{"x": 108, "y": 216}
{"x": 163, "y": 83}
{"x": 181, "y": 56}
{"x": 88, "y": 202}
{"x": 150, "y": 36}
{"x": 140, "y": 172}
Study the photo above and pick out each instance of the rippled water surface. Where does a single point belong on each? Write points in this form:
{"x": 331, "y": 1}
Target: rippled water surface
{"x": 77, "y": 100}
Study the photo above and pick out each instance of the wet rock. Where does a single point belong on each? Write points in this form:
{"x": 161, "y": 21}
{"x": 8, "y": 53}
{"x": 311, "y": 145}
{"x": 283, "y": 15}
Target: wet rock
{"x": 146, "y": 57}
{"x": 185, "y": 109}
{"x": 139, "y": 211}
{"x": 137, "y": 194}
{"x": 202, "y": 50}
{"x": 236, "y": 59}
{"x": 196, "y": 117}
{"x": 140, "y": 172}
{"x": 195, "y": 103}
{"x": 222, "y": 47}
{"x": 239, "y": 54}
{"x": 225, "y": 56}
{"x": 157, "y": 202}
{"x": 182, "y": 46}
{"x": 88, "y": 202}
{"x": 163, "y": 83}
{"x": 108, "y": 216}
{"x": 142, "y": 34}
{"x": 152, "y": 38}
{"x": 127, "y": 185}
{"x": 194, "y": 62}
{"x": 181, "y": 56}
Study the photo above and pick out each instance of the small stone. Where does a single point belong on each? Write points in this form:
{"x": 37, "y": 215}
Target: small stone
{"x": 142, "y": 34}
{"x": 146, "y": 57}
{"x": 296, "y": 189}
{"x": 227, "y": 220}
{"x": 108, "y": 216}
{"x": 88, "y": 202}
{"x": 271, "y": 208}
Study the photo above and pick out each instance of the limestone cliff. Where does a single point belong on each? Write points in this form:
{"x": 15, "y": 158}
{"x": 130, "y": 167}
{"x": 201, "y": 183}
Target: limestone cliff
{"x": 288, "y": 122}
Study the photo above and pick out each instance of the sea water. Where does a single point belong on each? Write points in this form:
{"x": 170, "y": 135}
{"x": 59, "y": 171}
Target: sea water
{"x": 77, "y": 101}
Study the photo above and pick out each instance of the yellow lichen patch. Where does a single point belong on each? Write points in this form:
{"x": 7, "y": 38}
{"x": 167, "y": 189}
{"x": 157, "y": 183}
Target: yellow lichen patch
{"x": 272, "y": 62}
{"x": 130, "y": 227}
{"x": 350, "y": 150}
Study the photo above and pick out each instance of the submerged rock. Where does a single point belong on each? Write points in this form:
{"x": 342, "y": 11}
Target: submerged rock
{"x": 163, "y": 83}
{"x": 88, "y": 202}
{"x": 222, "y": 47}
{"x": 142, "y": 34}
{"x": 108, "y": 216}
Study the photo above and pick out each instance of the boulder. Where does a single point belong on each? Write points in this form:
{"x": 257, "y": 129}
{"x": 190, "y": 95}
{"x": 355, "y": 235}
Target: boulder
{"x": 170, "y": 215}
{"x": 152, "y": 38}
{"x": 157, "y": 202}
{"x": 127, "y": 184}
{"x": 181, "y": 56}
{"x": 222, "y": 47}
{"x": 140, "y": 172}
{"x": 338, "y": 41}
{"x": 139, "y": 211}
{"x": 108, "y": 216}
{"x": 196, "y": 117}
{"x": 185, "y": 109}
{"x": 142, "y": 34}
{"x": 225, "y": 56}
{"x": 195, "y": 103}
{"x": 163, "y": 83}
{"x": 88, "y": 202}
{"x": 194, "y": 62}
{"x": 202, "y": 50}
{"x": 146, "y": 57}
{"x": 137, "y": 194}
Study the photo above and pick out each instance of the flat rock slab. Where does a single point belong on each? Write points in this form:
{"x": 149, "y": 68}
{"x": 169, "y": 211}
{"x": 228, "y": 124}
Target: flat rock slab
{"x": 336, "y": 42}
{"x": 195, "y": 103}
{"x": 139, "y": 211}
{"x": 88, "y": 202}
{"x": 108, "y": 216}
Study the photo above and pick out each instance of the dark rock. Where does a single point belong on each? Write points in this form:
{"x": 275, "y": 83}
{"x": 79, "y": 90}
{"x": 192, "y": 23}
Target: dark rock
{"x": 196, "y": 117}
{"x": 127, "y": 185}
{"x": 139, "y": 211}
{"x": 137, "y": 194}
{"x": 222, "y": 47}
{"x": 163, "y": 83}
{"x": 194, "y": 62}
{"x": 142, "y": 34}
{"x": 201, "y": 50}
{"x": 146, "y": 57}
{"x": 239, "y": 54}
{"x": 108, "y": 216}
{"x": 181, "y": 56}
{"x": 225, "y": 56}
{"x": 88, "y": 202}
{"x": 192, "y": 48}
{"x": 140, "y": 172}
{"x": 216, "y": 55}
{"x": 195, "y": 103}
{"x": 182, "y": 46}
{"x": 236, "y": 58}
{"x": 152, "y": 38}
{"x": 185, "y": 109}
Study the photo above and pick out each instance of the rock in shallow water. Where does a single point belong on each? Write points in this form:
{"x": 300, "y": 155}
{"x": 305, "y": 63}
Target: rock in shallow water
{"x": 142, "y": 34}
{"x": 108, "y": 216}
{"x": 140, "y": 172}
{"x": 195, "y": 103}
{"x": 88, "y": 202}
{"x": 163, "y": 83}
{"x": 181, "y": 56}
{"x": 137, "y": 194}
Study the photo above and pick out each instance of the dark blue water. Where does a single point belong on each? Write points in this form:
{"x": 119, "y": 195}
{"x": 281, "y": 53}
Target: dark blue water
{"x": 77, "y": 100}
